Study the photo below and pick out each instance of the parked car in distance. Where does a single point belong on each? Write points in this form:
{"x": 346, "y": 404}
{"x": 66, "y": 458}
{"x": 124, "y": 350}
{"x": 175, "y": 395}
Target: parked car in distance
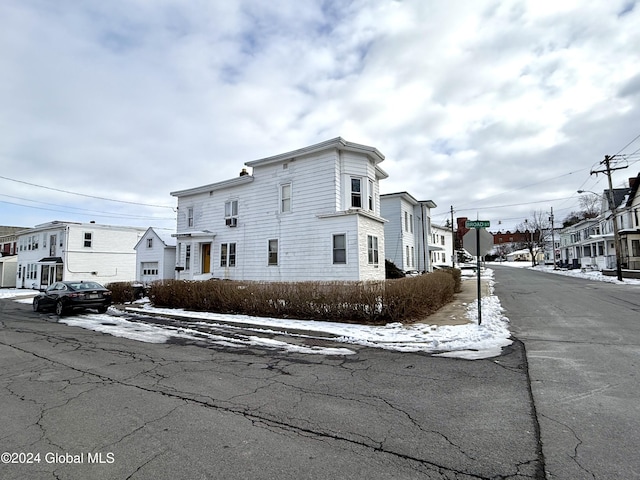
{"x": 442, "y": 267}
{"x": 64, "y": 297}
{"x": 412, "y": 273}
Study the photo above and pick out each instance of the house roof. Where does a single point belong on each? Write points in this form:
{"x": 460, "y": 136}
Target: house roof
{"x": 409, "y": 198}
{"x": 634, "y": 190}
{"x": 337, "y": 143}
{"x": 58, "y": 224}
{"x": 619, "y": 196}
{"x": 166, "y": 238}
{"x": 234, "y": 182}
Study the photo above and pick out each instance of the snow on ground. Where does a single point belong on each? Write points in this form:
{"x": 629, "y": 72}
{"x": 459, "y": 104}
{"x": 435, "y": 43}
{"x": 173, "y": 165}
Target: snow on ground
{"x": 470, "y": 341}
{"x": 577, "y": 273}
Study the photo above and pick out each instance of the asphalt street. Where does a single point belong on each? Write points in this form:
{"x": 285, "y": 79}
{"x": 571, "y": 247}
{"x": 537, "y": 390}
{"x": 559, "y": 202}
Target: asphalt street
{"x": 78, "y": 404}
{"x": 582, "y": 341}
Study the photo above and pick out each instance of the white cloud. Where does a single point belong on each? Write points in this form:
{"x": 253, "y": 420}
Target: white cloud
{"x": 132, "y": 100}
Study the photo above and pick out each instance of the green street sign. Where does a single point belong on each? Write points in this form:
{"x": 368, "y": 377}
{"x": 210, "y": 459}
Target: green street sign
{"x": 477, "y": 224}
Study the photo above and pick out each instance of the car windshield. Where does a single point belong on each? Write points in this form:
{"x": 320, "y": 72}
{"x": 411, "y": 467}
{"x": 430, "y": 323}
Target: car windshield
{"x": 86, "y": 286}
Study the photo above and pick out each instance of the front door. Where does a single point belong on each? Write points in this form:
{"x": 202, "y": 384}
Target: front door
{"x": 50, "y": 274}
{"x": 206, "y": 257}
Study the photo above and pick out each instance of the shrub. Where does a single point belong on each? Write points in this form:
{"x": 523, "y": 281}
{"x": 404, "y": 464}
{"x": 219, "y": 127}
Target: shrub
{"x": 405, "y": 299}
{"x": 125, "y": 292}
{"x": 456, "y": 273}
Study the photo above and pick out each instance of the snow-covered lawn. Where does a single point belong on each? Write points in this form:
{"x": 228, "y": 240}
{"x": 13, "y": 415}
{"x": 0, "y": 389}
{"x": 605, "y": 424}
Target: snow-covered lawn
{"x": 470, "y": 341}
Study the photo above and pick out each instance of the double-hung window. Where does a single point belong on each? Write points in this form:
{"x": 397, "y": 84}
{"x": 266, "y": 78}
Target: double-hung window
{"x": 371, "y": 205}
{"x": 190, "y": 217}
{"x": 88, "y": 239}
{"x": 227, "y": 254}
{"x": 340, "y": 248}
{"x": 187, "y": 257}
{"x": 231, "y": 213}
{"x": 285, "y": 198}
{"x": 356, "y": 192}
{"x": 372, "y": 247}
{"x": 149, "y": 242}
{"x": 273, "y": 252}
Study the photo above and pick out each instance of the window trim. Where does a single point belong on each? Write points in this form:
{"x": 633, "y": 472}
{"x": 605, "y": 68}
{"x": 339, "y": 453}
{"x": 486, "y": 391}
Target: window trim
{"x": 334, "y": 249}
{"x": 284, "y": 198}
{"x": 190, "y": 221}
{"x": 231, "y": 213}
{"x": 355, "y": 194}
{"x": 88, "y": 239}
{"x": 228, "y": 252}
{"x": 372, "y": 250}
{"x": 271, "y": 254}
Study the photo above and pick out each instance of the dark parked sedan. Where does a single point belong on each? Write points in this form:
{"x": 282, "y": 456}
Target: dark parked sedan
{"x": 64, "y": 297}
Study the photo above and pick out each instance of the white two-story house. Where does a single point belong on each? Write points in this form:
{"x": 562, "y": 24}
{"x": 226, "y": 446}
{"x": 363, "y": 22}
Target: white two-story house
{"x": 59, "y": 251}
{"x": 308, "y": 214}
{"x": 441, "y": 245}
{"x": 408, "y": 230}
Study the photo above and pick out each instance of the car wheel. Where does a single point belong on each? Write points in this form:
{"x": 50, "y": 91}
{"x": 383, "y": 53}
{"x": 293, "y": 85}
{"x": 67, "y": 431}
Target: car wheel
{"x": 60, "y": 310}
{"x": 36, "y": 305}
{"x": 102, "y": 309}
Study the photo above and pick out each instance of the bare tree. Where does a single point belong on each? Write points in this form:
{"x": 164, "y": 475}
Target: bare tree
{"x": 590, "y": 205}
{"x": 534, "y": 237}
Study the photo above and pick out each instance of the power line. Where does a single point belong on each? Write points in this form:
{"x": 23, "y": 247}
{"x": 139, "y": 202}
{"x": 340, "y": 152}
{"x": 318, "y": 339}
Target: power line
{"x": 87, "y": 214}
{"x": 637, "y": 137}
{"x": 527, "y": 186}
{"x": 85, "y": 195}
{"x": 90, "y": 212}
{"x": 511, "y": 205}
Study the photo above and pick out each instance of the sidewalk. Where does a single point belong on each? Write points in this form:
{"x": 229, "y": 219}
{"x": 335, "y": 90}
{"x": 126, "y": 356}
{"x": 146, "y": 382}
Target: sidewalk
{"x": 455, "y": 313}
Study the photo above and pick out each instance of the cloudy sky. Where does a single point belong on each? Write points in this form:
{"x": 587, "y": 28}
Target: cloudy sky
{"x": 497, "y": 108}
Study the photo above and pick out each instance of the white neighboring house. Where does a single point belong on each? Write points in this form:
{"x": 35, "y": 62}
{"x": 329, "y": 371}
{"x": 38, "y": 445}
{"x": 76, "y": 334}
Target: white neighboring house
{"x": 8, "y": 270}
{"x": 59, "y": 251}
{"x": 308, "y": 214}
{"x": 441, "y": 245}
{"x": 408, "y": 230}
{"x": 155, "y": 256}
{"x": 590, "y": 242}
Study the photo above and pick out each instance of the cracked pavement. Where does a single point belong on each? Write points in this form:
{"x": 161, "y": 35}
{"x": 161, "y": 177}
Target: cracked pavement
{"x": 186, "y": 411}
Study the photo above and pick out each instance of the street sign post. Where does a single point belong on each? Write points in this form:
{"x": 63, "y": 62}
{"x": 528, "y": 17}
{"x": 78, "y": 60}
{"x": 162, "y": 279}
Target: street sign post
{"x": 484, "y": 243}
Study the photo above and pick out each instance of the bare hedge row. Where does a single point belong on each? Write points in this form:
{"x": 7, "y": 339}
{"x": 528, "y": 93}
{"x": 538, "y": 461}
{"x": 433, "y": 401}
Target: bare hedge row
{"x": 398, "y": 300}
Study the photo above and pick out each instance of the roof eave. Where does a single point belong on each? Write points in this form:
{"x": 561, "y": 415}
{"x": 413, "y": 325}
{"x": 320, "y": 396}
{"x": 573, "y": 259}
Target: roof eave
{"x": 337, "y": 143}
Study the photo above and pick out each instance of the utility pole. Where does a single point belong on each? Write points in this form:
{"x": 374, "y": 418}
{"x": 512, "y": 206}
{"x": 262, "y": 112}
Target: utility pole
{"x": 453, "y": 242}
{"x": 553, "y": 240}
{"x": 616, "y": 236}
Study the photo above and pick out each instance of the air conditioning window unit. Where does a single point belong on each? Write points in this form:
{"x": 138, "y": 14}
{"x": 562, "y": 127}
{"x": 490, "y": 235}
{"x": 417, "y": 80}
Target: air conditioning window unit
{"x": 231, "y": 222}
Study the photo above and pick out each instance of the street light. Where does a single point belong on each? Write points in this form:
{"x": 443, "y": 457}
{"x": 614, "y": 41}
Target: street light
{"x": 616, "y": 235}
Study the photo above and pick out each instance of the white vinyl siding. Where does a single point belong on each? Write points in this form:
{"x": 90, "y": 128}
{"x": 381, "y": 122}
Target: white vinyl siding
{"x": 320, "y": 185}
